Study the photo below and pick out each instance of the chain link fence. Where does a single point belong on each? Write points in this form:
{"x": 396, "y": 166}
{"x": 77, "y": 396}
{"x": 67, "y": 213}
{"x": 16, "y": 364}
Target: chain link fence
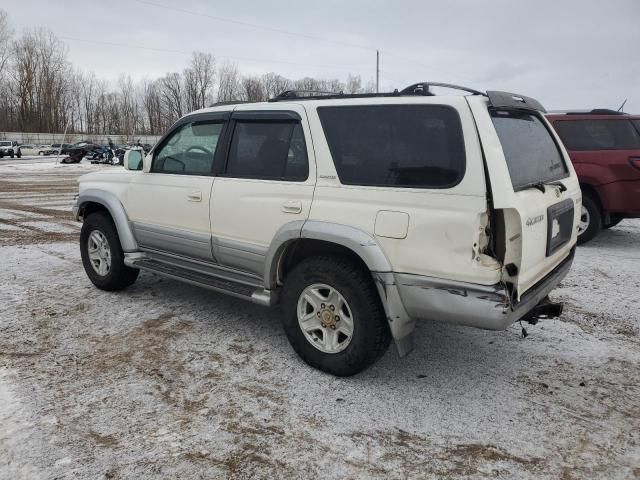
{"x": 49, "y": 138}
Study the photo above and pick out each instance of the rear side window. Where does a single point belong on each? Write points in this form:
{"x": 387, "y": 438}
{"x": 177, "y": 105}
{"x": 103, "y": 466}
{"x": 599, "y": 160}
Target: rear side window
{"x": 268, "y": 150}
{"x": 530, "y": 151}
{"x": 415, "y": 146}
{"x": 598, "y": 134}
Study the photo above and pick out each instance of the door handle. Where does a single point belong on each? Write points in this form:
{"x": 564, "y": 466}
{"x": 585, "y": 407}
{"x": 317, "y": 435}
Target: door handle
{"x": 194, "y": 196}
{"x": 292, "y": 206}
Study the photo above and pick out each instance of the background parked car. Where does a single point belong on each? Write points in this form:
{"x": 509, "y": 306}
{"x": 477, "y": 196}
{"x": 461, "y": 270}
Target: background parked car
{"x": 10, "y": 148}
{"x": 29, "y": 149}
{"x": 60, "y": 147}
{"x": 45, "y": 150}
{"x": 604, "y": 146}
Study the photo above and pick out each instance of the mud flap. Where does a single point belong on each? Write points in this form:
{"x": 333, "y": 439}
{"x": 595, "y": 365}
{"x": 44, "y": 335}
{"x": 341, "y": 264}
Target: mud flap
{"x": 400, "y": 324}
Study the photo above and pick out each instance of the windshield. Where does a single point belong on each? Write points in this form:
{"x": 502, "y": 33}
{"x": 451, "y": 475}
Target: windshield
{"x": 530, "y": 151}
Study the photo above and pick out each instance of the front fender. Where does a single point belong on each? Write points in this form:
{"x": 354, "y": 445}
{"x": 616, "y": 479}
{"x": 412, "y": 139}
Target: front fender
{"x": 115, "y": 209}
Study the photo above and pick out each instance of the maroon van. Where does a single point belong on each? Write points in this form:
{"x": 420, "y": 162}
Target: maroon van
{"x": 604, "y": 146}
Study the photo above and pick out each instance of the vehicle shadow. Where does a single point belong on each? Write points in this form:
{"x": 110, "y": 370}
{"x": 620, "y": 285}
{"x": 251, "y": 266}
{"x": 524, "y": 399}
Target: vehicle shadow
{"x": 623, "y": 238}
{"x": 443, "y": 355}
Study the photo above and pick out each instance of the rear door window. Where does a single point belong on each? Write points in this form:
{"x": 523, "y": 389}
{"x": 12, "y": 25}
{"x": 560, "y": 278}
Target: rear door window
{"x": 530, "y": 151}
{"x": 268, "y": 150}
{"x": 414, "y": 146}
{"x": 581, "y": 135}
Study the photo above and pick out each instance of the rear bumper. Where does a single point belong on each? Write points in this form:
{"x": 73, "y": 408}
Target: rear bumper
{"x": 487, "y": 307}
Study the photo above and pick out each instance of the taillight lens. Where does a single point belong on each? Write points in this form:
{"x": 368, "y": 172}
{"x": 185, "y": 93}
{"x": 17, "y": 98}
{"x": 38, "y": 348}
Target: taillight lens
{"x": 635, "y": 162}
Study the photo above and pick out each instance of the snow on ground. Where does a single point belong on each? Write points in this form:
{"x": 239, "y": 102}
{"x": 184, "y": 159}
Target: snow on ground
{"x": 167, "y": 380}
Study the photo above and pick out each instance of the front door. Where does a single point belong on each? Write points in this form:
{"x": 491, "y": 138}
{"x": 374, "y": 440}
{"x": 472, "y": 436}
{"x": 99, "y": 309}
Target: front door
{"x": 169, "y": 206}
{"x": 267, "y": 181}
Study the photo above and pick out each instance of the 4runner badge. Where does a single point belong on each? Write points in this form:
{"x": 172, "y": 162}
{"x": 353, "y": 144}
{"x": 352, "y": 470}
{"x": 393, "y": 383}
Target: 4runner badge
{"x": 533, "y": 220}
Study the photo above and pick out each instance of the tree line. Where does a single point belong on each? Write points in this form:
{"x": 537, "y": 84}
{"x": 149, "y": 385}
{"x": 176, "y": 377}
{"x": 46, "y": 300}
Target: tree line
{"x": 41, "y": 91}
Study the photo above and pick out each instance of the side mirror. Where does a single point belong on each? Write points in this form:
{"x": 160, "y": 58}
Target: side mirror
{"x": 133, "y": 160}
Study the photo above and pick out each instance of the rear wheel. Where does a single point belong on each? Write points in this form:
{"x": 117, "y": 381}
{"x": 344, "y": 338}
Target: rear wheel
{"x": 333, "y": 316}
{"x": 590, "y": 223}
{"x": 102, "y": 255}
{"x": 19, "y": 154}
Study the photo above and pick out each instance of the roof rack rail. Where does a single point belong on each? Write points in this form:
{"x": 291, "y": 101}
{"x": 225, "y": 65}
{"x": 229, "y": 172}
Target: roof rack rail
{"x": 288, "y": 94}
{"x": 422, "y": 88}
{"x": 230, "y": 102}
{"x": 597, "y": 111}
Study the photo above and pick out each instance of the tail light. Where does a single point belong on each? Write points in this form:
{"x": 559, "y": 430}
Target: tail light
{"x": 635, "y": 162}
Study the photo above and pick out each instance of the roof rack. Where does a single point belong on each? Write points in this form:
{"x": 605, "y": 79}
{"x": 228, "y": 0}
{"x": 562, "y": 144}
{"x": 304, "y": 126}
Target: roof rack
{"x": 597, "y": 111}
{"x": 230, "y": 102}
{"x": 421, "y": 88}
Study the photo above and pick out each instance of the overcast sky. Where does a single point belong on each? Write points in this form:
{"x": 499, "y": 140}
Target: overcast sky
{"x": 568, "y": 54}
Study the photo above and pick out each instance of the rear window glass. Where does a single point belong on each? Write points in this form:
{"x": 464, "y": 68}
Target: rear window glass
{"x": 598, "y": 134}
{"x": 530, "y": 151}
{"x": 415, "y": 146}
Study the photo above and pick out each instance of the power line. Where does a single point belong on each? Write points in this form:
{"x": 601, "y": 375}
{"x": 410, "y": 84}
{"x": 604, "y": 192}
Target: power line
{"x": 254, "y": 25}
{"x": 398, "y": 56}
{"x": 184, "y": 52}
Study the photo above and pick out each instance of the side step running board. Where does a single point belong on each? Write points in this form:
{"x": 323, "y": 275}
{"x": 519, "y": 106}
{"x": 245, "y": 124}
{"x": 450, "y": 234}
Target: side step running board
{"x": 214, "y": 282}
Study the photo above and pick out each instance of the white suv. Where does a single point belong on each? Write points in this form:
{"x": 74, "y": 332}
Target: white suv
{"x": 10, "y": 148}
{"x": 359, "y": 214}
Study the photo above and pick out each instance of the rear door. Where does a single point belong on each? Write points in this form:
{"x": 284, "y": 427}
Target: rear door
{"x": 265, "y": 180}
{"x": 538, "y": 221}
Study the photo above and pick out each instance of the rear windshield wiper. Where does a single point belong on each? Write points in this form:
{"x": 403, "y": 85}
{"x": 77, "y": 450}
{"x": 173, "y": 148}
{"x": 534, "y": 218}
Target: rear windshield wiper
{"x": 542, "y": 186}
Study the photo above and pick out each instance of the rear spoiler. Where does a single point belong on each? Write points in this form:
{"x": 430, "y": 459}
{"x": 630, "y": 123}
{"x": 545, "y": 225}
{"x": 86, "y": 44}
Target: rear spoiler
{"x": 514, "y": 100}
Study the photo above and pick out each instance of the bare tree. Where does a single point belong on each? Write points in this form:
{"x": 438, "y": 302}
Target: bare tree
{"x": 354, "y": 84}
{"x": 253, "y": 89}
{"x": 6, "y": 35}
{"x": 229, "y": 87}
{"x": 275, "y": 84}
{"x": 172, "y": 95}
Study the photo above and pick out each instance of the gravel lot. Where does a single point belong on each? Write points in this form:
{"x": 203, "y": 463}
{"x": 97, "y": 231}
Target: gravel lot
{"x": 170, "y": 381}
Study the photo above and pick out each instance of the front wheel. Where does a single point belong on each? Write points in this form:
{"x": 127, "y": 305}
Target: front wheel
{"x": 590, "y": 223}
{"x": 102, "y": 255}
{"x": 333, "y": 316}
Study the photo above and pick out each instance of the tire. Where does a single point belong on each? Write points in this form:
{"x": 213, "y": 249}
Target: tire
{"x": 613, "y": 221}
{"x": 590, "y": 220}
{"x": 117, "y": 276}
{"x": 19, "y": 154}
{"x": 362, "y": 308}
{"x": 12, "y": 155}
{"x": 41, "y": 154}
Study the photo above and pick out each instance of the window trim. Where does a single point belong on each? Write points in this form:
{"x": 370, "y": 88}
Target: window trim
{"x": 257, "y": 117}
{"x": 209, "y": 117}
{"x": 555, "y": 137}
{"x": 634, "y": 127}
{"x": 460, "y": 178}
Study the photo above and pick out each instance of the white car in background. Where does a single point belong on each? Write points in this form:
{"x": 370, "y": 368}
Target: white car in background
{"x": 29, "y": 149}
{"x": 9, "y": 148}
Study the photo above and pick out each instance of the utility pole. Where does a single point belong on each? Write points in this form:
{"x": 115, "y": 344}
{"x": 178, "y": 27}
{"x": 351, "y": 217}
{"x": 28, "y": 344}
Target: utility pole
{"x": 377, "y": 71}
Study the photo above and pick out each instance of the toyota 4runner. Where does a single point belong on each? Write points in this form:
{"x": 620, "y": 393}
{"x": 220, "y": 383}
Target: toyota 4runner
{"x": 358, "y": 214}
